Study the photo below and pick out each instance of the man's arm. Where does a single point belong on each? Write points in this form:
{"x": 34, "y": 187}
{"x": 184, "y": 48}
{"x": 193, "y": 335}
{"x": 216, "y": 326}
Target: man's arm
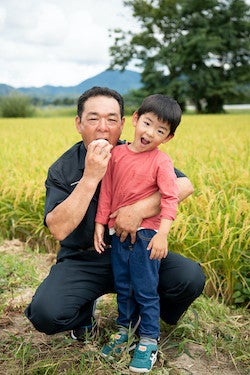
{"x": 67, "y": 215}
{"x": 129, "y": 218}
{"x": 185, "y": 188}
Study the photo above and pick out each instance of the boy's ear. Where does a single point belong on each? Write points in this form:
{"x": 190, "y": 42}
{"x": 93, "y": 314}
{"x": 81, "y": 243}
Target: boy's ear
{"x": 170, "y": 136}
{"x": 135, "y": 118}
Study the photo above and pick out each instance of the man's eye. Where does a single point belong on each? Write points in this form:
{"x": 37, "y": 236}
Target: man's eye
{"x": 112, "y": 121}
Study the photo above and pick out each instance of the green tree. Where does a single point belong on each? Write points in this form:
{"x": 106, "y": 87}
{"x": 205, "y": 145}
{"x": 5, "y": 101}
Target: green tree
{"x": 193, "y": 50}
{"x": 16, "y": 105}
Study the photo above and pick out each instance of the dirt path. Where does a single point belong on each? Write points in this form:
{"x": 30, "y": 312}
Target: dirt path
{"x": 12, "y": 322}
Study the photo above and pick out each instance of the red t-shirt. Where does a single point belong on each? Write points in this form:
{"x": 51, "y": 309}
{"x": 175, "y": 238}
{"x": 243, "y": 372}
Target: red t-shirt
{"x": 132, "y": 176}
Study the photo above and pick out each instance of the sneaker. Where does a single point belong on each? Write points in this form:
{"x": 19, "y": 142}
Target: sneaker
{"x": 144, "y": 358}
{"x": 85, "y": 333}
{"x": 116, "y": 345}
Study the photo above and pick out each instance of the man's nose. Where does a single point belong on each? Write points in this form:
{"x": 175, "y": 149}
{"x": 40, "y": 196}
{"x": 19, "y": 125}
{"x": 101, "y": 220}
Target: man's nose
{"x": 103, "y": 124}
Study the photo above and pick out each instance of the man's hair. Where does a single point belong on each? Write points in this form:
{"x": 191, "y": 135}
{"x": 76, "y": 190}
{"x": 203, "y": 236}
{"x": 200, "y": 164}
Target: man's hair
{"x": 99, "y": 91}
{"x": 165, "y": 108}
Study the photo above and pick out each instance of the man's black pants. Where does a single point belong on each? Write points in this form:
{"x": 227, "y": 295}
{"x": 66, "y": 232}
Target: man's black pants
{"x": 65, "y": 299}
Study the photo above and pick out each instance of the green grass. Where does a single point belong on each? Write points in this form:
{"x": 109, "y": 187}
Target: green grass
{"x": 216, "y": 328}
{"x": 56, "y": 111}
{"x": 16, "y": 274}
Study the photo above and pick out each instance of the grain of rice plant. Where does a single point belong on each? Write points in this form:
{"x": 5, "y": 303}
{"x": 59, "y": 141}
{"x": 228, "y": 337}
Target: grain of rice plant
{"x": 212, "y": 225}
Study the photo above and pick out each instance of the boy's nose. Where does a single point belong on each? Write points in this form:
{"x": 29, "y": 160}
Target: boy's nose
{"x": 150, "y": 132}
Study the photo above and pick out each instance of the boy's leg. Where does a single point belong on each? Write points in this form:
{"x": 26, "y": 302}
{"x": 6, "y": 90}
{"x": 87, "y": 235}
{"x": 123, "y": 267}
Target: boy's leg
{"x": 145, "y": 278}
{"x": 181, "y": 281}
{"x": 120, "y": 256}
{"x": 126, "y": 305}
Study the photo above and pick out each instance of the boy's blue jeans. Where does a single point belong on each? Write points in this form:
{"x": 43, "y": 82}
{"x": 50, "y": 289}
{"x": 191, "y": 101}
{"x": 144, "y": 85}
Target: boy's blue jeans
{"x": 136, "y": 282}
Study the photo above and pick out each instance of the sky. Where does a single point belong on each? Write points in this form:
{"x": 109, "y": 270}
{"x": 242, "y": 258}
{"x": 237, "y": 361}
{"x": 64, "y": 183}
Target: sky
{"x": 57, "y": 42}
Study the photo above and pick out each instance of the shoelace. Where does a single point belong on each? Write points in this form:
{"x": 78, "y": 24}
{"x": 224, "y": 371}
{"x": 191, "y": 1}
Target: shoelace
{"x": 140, "y": 354}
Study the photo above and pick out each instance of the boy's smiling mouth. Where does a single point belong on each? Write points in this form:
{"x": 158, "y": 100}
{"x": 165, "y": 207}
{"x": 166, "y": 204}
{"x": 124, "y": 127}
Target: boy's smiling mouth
{"x": 144, "y": 141}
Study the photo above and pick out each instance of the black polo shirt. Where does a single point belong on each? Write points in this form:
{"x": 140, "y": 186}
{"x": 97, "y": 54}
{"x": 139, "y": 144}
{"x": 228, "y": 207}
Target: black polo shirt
{"x": 62, "y": 178}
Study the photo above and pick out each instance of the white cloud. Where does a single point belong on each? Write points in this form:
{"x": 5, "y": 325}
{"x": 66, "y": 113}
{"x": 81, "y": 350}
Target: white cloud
{"x": 58, "y": 42}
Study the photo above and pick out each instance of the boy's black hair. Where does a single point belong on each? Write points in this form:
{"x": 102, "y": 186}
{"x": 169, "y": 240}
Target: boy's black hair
{"x": 165, "y": 108}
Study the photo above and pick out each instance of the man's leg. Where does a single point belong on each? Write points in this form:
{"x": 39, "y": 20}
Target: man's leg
{"x": 64, "y": 301}
{"x": 181, "y": 282}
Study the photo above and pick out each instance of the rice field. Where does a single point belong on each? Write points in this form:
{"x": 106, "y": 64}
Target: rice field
{"x": 212, "y": 225}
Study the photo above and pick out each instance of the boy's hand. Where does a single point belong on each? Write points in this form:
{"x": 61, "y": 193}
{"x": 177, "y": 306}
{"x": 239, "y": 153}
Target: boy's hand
{"x": 98, "y": 238}
{"x": 158, "y": 246}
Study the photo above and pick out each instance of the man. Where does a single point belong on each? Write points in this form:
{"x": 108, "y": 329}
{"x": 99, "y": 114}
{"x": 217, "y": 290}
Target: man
{"x": 65, "y": 299}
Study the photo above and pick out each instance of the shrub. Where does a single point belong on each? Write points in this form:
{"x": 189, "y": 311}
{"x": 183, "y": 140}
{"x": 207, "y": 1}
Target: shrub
{"x": 16, "y": 105}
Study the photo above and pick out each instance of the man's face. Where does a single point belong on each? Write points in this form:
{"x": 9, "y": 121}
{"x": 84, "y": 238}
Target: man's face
{"x": 101, "y": 119}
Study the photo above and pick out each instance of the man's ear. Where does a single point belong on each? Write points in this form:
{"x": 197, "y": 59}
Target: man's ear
{"x": 78, "y": 124}
{"x": 170, "y": 136}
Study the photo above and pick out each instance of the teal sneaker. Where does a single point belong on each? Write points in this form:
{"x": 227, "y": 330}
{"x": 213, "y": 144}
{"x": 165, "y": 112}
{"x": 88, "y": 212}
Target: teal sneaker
{"x": 144, "y": 358}
{"x": 116, "y": 345}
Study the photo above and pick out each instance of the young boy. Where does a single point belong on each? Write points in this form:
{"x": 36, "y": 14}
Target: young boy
{"x": 135, "y": 171}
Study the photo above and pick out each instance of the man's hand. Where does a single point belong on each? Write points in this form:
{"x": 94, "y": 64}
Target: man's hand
{"x": 97, "y": 158}
{"x": 127, "y": 220}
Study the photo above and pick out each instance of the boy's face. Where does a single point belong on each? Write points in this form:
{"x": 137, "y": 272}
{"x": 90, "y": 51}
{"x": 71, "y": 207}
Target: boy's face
{"x": 101, "y": 119}
{"x": 150, "y": 132}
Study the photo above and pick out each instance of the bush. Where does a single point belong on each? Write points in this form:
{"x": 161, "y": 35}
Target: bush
{"x": 16, "y": 105}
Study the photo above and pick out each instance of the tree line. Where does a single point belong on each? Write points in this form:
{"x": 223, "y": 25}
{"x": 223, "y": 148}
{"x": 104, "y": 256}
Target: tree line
{"x": 196, "y": 51}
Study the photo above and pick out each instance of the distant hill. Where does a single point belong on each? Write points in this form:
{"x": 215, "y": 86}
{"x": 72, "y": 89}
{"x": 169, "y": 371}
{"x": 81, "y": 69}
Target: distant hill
{"x": 6, "y": 89}
{"x": 117, "y": 80}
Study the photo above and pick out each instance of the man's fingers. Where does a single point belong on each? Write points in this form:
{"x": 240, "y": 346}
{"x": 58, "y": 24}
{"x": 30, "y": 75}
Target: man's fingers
{"x": 133, "y": 237}
{"x": 123, "y": 236}
{"x": 113, "y": 215}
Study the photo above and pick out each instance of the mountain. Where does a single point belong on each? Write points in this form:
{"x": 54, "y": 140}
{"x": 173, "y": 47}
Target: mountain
{"x": 114, "y": 79}
{"x": 6, "y": 89}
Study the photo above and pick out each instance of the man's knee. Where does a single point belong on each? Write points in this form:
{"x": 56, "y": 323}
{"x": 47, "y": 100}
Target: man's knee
{"x": 43, "y": 317}
{"x": 196, "y": 281}
{"x": 176, "y": 301}
{"x": 183, "y": 282}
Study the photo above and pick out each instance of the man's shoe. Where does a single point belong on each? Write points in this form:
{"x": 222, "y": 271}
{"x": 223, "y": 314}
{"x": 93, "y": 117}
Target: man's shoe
{"x": 117, "y": 344}
{"x": 85, "y": 333}
{"x": 144, "y": 358}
